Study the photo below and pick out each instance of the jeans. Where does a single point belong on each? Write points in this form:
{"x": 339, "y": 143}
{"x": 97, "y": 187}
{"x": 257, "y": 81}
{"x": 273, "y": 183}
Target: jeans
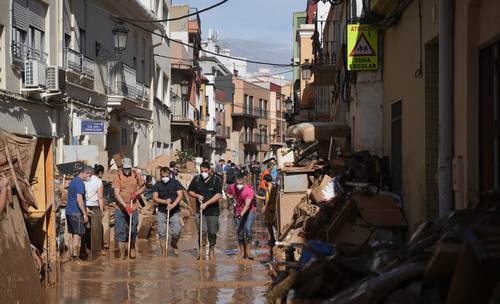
{"x": 210, "y": 223}
{"x": 175, "y": 225}
{"x": 121, "y": 225}
{"x": 244, "y": 227}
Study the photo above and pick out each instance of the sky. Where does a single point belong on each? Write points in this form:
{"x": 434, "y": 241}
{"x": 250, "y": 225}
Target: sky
{"x": 255, "y": 29}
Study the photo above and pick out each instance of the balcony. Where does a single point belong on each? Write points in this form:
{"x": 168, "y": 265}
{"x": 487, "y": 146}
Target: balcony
{"x": 22, "y": 52}
{"x": 327, "y": 54}
{"x": 183, "y": 112}
{"x": 250, "y": 139}
{"x": 245, "y": 111}
{"x": 122, "y": 84}
{"x": 223, "y": 132}
{"x": 79, "y": 63}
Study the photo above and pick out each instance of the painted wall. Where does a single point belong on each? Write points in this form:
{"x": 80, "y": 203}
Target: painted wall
{"x": 477, "y": 25}
{"x": 401, "y": 60}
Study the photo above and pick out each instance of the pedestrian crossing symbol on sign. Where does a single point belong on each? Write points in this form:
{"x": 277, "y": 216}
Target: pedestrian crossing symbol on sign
{"x": 362, "y": 45}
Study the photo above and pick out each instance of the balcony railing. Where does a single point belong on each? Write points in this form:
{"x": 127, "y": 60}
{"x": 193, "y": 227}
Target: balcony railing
{"x": 246, "y": 111}
{"x": 249, "y": 138}
{"x": 79, "y": 63}
{"x": 327, "y": 54}
{"x": 182, "y": 111}
{"x": 223, "y": 132}
{"x": 22, "y": 52}
{"x": 122, "y": 82}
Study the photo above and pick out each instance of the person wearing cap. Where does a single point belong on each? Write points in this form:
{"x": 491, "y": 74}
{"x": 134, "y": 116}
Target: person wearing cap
{"x": 76, "y": 212}
{"x": 128, "y": 185}
{"x": 168, "y": 193}
{"x": 244, "y": 214}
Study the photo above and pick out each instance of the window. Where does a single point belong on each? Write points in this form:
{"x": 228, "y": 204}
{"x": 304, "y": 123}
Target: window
{"x": 18, "y": 35}
{"x": 265, "y": 109}
{"x": 245, "y": 103}
{"x": 37, "y": 39}
{"x": 83, "y": 42}
{"x": 166, "y": 84}
{"x": 124, "y": 137}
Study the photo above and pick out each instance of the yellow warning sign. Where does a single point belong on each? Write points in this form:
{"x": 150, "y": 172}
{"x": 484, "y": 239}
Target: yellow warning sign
{"x": 362, "y": 47}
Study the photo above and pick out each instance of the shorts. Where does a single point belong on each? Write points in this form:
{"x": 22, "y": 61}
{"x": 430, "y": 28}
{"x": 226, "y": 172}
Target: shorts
{"x": 75, "y": 224}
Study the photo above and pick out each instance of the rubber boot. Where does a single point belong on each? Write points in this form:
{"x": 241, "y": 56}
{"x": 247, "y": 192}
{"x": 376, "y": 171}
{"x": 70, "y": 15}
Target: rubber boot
{"x": 249, "y": 250}
{"x": 132, "y": 250}
{"x": 203, "y": 255}
{"x": 122, "y": 246}
{"x": 162, "y": 247}
{"x": 242, "y": 253}
{"x": 175, "y": 248}
{"x": 211, "y": 253}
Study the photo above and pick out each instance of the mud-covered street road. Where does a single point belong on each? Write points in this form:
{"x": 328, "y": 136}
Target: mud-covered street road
{"x": 152, "y": 279}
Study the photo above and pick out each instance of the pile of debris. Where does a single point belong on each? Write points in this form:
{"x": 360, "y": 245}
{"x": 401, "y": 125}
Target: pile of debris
{"x": 347, "y": 242}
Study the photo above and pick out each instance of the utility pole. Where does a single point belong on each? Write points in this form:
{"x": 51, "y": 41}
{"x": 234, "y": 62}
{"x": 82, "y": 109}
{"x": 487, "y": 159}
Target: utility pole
{"x": 446, "y": 57}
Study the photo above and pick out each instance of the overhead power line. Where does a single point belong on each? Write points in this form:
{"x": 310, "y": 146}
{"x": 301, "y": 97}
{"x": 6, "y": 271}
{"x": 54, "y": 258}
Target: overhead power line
{"x": 203, "y": 50}
{"x": 180, "y": 17}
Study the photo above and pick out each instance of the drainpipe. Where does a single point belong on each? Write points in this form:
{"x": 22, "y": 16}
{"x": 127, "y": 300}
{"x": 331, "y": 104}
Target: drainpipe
{"x": 446, "y": 52}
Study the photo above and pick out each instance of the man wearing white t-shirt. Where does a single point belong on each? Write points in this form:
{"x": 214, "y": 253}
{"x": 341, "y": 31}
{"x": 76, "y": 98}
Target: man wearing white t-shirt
{"x": 94, "y": 201}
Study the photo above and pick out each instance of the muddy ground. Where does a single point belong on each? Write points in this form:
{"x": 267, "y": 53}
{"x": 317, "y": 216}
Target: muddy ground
{"x": 183, "y": 279}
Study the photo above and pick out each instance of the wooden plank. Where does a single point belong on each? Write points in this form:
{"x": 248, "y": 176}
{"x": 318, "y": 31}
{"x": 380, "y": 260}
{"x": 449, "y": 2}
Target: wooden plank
{"x": 53, "y": 273}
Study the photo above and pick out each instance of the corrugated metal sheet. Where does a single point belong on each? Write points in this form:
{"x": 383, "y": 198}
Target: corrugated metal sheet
{"x": 20, "y": 14}
{"x": 36, "y": 13}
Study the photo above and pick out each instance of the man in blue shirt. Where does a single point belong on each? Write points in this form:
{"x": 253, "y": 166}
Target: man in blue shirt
{"x": 76, "y": 213}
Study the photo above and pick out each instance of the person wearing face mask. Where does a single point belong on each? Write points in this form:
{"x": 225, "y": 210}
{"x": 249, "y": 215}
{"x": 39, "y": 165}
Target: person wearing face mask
{"x": 76, "y": 212}
{"x": 168, "y": 194}
{"x": 128, "y": 185}
{"x": 207, "y": 190}
{"x": 244, "y": 214}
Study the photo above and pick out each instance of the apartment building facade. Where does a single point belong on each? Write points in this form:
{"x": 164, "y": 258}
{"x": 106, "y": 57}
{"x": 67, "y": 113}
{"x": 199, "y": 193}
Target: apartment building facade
{"x": 60, "y": 65}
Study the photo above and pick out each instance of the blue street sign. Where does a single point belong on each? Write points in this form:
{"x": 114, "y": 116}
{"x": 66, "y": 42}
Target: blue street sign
{"x": 91, "y": 127}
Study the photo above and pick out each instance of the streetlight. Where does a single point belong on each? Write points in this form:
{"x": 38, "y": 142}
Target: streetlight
{"x": 120, "y": 33}
{"x": 289, "y": 105}
{"x": 306, "y": 70}
{"x": 184, "y": 87}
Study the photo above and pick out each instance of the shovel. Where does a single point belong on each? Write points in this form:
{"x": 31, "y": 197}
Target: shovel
{"x": 168, "y": 227}
{"x": 130, "y": 231}
{"x": 201, "y": 232}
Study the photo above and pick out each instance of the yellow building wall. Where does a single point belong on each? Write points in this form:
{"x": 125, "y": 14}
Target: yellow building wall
{"x": 401, "y": 60}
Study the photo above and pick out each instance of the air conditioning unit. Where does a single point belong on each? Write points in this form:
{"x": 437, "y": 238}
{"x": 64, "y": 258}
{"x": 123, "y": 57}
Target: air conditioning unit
{"x": 56, "y": 79}
{"x": 34, "y": 74}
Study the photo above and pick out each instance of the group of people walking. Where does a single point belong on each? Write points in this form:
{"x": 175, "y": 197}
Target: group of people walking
{"x": 210, "y": 188}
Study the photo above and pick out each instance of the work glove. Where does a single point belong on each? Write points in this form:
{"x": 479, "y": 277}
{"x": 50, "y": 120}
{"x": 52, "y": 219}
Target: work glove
{"x": 133, "y": 196}
{"x": 129, "y": 209}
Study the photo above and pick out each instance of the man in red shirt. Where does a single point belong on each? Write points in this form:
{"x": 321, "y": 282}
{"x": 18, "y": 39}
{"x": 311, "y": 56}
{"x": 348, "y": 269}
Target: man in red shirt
{"x": 244, "y": 214}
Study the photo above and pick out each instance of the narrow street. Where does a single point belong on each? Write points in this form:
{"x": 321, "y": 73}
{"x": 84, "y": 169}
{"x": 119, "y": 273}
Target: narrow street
{"x": 151, "y": 279}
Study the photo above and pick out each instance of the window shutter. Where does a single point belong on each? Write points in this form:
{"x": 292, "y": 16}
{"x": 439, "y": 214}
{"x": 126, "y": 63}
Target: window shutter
{"x": 36, "y": 11}
{"x": 67, "y": 17}
{"x": 80, "y": 12}
{"x": 20, "y": 14}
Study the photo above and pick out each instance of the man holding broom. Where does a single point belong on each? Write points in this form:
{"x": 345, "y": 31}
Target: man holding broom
{"x": 168, "y": 193}
{"x": 207, "y": 190}
{"x": 128, "y": 185}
